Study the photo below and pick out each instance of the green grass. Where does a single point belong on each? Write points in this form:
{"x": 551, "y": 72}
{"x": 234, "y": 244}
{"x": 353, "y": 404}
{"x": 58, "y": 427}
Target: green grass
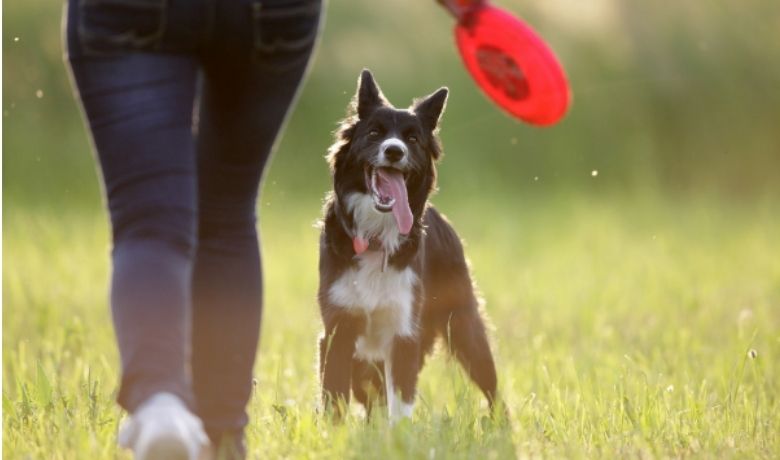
{"x": 621, "y": 329}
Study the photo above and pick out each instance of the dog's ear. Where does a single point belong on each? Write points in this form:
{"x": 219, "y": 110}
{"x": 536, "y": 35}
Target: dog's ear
{"x": 429, "y": 109}
{"x": 368, "y": 96}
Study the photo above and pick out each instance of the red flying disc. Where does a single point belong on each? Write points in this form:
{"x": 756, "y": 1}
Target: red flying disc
{"x": 510, "y": 62}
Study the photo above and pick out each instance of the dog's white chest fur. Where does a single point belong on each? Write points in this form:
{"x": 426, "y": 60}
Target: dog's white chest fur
{"x": 384, "y": 297}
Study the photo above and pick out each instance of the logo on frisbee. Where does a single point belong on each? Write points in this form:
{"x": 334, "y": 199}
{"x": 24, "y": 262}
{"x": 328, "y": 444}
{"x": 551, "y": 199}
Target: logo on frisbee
{"x": 502, "y": 72}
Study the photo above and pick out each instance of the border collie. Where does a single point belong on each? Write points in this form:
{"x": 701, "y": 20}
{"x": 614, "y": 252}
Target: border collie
{"x": 393, "y": 276}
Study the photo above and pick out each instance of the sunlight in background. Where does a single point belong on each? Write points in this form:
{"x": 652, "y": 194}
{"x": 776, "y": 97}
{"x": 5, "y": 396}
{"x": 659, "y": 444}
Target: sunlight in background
{"x": 679, "y": 95}
{"x": 598, "y": 17}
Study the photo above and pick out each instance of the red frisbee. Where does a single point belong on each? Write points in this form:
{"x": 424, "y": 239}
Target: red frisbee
{"x": 510, "y": 62}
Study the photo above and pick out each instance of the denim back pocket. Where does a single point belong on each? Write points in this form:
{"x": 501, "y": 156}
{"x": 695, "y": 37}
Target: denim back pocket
{"x": 110, "y": 26}
{"x": 284, "y": 31}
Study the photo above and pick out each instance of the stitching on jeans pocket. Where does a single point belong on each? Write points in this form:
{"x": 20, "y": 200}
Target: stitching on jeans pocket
{"x": 284, "y": 30}
{"x": 108, "y": 26}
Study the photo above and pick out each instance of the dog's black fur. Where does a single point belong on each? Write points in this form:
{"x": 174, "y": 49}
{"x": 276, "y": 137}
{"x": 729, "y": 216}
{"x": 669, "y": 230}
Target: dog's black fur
{"x": 444, "y": 303}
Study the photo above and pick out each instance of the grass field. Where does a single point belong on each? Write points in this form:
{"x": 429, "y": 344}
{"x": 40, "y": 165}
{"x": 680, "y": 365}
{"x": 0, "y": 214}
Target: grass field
{"x": 622, "y": 328}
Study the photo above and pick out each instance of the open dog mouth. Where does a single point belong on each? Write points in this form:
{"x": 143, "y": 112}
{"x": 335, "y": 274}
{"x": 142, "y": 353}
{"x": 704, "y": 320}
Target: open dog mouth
{"x": 387, "y": 187}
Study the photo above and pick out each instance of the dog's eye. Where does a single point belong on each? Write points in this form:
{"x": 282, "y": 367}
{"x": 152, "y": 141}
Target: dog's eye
{"x": 373, "y": 133}
{"x": 412, "y": 139}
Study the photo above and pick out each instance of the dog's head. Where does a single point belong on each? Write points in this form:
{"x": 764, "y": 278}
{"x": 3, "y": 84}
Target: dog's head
{"x": 388, "y": 154}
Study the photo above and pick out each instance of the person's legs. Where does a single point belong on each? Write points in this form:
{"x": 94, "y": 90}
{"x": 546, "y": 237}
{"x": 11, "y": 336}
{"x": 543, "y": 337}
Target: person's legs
{"x": 138, "y": 101}
{"x": 139, "y": 109}
{"x": 138, "y": 104}
{"x": 246, "y": 94}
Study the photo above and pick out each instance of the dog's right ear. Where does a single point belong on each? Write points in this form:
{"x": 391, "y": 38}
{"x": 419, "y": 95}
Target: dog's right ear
{"x": 368, "y": 96}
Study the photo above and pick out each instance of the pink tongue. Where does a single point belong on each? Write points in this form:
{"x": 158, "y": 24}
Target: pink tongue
{"x": 392, "y": 184}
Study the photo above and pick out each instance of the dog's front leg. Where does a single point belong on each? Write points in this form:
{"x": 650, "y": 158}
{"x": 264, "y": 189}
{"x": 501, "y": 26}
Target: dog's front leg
{"x": 336, "y": 350}
{"x": 401, "y": 377}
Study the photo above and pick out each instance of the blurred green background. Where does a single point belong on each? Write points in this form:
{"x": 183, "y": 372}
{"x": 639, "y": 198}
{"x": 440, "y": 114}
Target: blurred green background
{"x": 679, "y": 98}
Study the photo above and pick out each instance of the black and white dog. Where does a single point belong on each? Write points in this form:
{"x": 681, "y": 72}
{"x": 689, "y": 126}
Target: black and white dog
{"x": 393, "y": 276}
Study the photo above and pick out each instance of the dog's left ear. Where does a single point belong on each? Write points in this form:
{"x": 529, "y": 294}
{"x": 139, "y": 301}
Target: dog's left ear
{"x": 429, "y": 109}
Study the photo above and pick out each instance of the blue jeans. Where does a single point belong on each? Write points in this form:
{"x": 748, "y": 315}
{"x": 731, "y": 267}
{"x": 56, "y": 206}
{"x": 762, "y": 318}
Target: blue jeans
{"x": 184, "y": 100}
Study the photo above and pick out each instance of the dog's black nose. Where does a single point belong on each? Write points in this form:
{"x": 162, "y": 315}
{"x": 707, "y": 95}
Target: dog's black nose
{"x": 393, "y": 153}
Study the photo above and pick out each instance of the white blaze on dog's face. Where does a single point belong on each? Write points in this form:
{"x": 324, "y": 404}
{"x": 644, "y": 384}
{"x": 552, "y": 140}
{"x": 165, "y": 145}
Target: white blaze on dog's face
{"x": 390, "y": 153}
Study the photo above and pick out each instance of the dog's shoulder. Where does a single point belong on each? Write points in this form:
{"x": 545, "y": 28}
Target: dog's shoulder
{"x": 439, "y": 232}
{"x": 442, "y": 246}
